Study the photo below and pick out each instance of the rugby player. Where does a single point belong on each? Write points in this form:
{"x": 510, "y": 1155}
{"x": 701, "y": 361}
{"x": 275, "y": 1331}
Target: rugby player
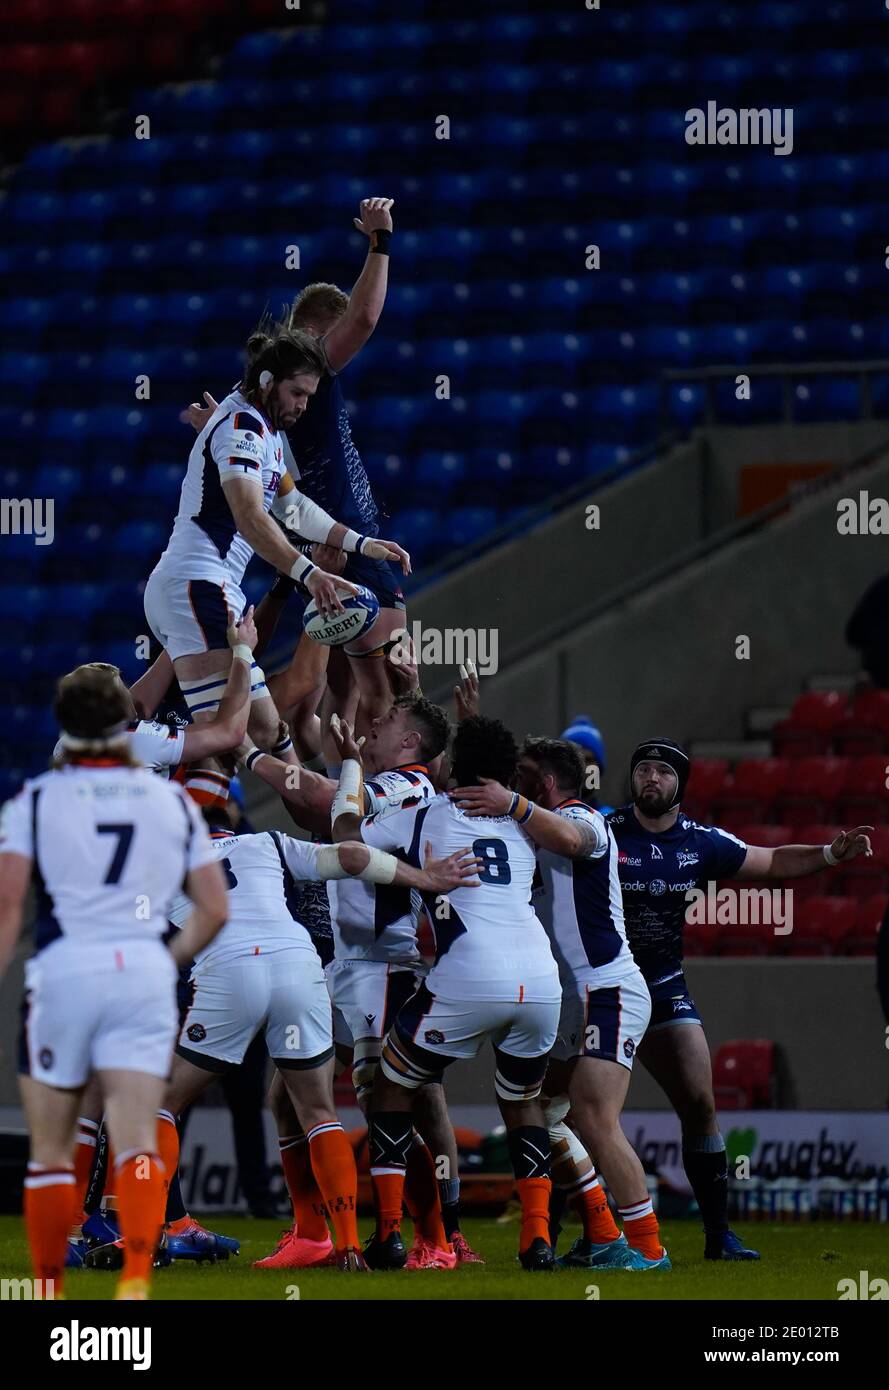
{"x": 231, "y": 484}
{"x": 662, "y": 855}
{"x": 322, "y": 457}
{"x": 376, "y": 968}
{"x": 494, "y": 978}
{"x": 107, "y": 847}
{"x": 262, "y": 974}
{"x": 605, "y": 1001}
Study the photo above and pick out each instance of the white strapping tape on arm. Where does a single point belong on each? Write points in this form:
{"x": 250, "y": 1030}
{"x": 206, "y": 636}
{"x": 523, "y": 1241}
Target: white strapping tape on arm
{"x": 349, "y": 797}
{"x": 380, "y": 867}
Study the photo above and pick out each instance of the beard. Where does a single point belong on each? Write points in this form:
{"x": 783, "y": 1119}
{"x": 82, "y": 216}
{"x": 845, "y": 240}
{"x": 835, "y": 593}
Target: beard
{"x": 653, "y": 804}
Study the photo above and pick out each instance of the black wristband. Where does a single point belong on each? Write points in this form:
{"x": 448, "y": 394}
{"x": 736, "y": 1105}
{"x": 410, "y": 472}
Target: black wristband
{"x": 379, "y": 240}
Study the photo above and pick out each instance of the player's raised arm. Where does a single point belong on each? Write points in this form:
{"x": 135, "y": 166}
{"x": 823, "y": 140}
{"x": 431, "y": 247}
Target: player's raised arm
{"x": 347, "y": 811}
{"x": 352, "y": 330}
{"x": 797, "y": 861}
{"x": 353, "y": 859}
{"x": 309, "y": 795}
{"x": 573, "y": 838}
{"x": 149, "y": 690}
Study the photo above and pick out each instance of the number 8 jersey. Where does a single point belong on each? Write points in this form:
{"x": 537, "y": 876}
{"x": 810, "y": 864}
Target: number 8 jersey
{"x": 489, "y": 942}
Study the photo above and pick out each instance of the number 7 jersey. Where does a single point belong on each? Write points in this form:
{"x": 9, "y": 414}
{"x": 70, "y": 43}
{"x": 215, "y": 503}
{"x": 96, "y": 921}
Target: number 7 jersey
{"x": 489, "y": 942}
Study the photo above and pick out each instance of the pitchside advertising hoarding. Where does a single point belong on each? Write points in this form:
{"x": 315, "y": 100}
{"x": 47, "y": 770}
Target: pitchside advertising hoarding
{"x": 821, "y": 1151}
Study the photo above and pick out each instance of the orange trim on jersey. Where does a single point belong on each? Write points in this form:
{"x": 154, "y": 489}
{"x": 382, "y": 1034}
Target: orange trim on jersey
{"x": 405, "y": 767}
{"x": 245, "y": 427}
{"x": 521, "y": 994}
{"x": 572, "y": 801}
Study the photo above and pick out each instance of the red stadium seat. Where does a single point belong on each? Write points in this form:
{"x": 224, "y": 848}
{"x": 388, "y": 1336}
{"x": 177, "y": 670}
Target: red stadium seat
{"x": 707, "y": 780}
{"x": 752, "y": 789}
{"x": 744, "y": 1075}
{"x": 821, "y": 926}
{"x": 863, "y": 798}
{"x": 768, "y": 836}
{"x": 862, "y": 940}
{"x": 811, "y": 790}
{"x": 810, "y": 727}
{"x": 865, "y": 727}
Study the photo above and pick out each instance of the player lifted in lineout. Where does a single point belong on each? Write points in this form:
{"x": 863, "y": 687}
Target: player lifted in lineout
{"x": 230, "y": 486}
{"x": 323, "y": 459}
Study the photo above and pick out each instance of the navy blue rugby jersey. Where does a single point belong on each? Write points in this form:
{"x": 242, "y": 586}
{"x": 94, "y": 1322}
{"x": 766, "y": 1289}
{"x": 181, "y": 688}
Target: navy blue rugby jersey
{"x": 328, "y": 466}
{"x": 656, "y": 871}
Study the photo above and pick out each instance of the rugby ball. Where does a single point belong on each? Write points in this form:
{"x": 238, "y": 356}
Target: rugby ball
{"x": 360, "y": 614}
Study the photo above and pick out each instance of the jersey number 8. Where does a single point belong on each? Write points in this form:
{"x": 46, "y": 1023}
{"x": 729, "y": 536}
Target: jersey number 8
{"x": 495, "y": 856}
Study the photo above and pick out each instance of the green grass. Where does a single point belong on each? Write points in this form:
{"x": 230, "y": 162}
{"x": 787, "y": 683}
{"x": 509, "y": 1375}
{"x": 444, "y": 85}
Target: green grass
{"x": 798, "y": 1262}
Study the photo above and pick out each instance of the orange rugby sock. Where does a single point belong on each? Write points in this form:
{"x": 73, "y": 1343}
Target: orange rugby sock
{"x": 333, "y": 1164}
{"x": 421, "y": 1195}
{"x": 141, "y": 1195}
{"x": 167, "y": 1147}
{"x": 641, "y": 1229}
{"x": 50, "y": 1206}
{"x": 592, "y": 1207}
{"x": 305, "y": 1195}
{"x": 534, "y": 1196}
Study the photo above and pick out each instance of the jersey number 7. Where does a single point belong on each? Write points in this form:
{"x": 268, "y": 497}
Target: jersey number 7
{"x": 124, "y": 833}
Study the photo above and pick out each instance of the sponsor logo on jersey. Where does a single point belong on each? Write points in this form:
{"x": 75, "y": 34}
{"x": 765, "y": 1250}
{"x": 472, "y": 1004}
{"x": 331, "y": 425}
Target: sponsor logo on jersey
{"x": 369, "y": 1018}
{"x": 432, "y": 1035}
{"x": 681, "y": 1005}
{"x": 196, "y": 1033}
{"x": 629, "y": 1047}
{"x": 46, "y": 1058}
{"x": 684, "y": 859}
{"x": 657, "y": 887}
{"x": 634, "y": 861}
{"x": 655, "y": 852}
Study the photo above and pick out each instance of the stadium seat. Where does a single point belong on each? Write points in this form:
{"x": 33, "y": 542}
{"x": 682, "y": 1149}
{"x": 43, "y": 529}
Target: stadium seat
{"x": 863, "y": 798}
{"x": 820, "y": 926}
{"x": 708, "y": 777}
{"x": 862, "y": 939}
{"x": 809, "y": 729}
{"x": 811, "y": 789}
{"x": 744, "y": 1075}
{"x": 865, "y": 726}
{"x": 752, "y": 789}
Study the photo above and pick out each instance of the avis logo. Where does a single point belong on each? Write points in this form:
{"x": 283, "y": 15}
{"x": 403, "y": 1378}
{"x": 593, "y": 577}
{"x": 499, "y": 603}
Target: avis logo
{"x": 866, "y": 1288}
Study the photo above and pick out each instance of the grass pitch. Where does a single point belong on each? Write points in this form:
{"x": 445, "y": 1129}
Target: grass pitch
{"x": 798, "y": 1262}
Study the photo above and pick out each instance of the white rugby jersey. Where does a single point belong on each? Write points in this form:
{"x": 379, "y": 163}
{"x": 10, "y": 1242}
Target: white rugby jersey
{"x": 260, "y": 870}
{"x": 489, "y": 942}
{"x": 110, "y": 846}
{"x": 377, "y": 921}
{"x": 580, "y": 905}
{"x": 236, "y": 442}
{"x": 156, "y": 745}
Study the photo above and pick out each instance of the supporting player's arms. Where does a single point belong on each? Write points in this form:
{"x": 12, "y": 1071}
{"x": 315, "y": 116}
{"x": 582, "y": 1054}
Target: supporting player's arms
{"x": 352, "y": 330}
{"x": 229, "y": 725}
{"x": 797, "y": 861}
{"x": 307, "y": 794}
{"x": 150, "y": 689}
{"x": 209, "y": 895}
{"x": 245, "y": 498}
{"x": 15, "y": 876}
{"x": 376, "y": 866}
{"x": 573, "y": 838}
{"x": 347, "y": 807}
